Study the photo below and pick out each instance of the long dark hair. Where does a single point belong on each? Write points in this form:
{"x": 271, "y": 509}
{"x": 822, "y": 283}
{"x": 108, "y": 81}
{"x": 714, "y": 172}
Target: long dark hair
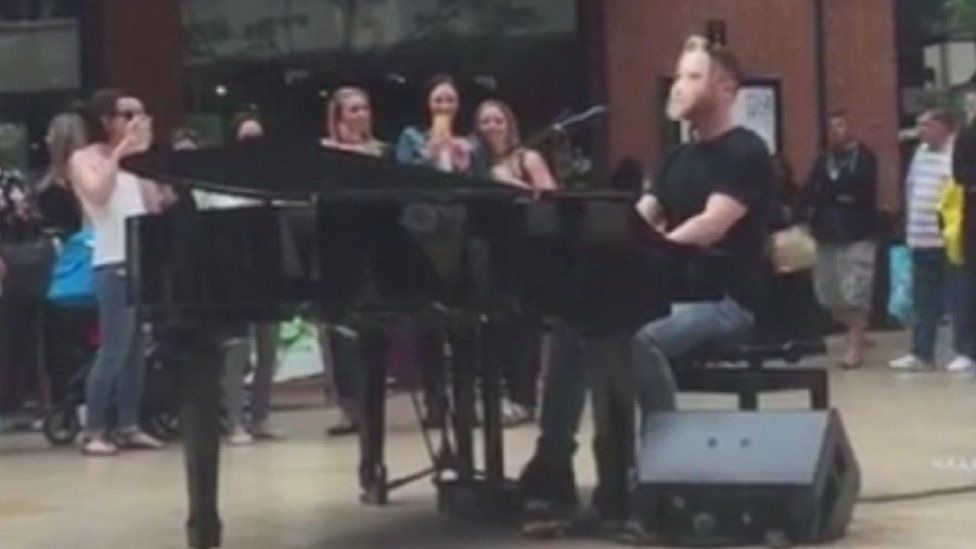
{"x": 435, "y": 82}
{"x": 103, "y": 104}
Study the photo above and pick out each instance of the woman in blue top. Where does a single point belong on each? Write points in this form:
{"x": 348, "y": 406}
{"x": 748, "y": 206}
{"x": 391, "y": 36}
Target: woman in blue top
{"x": 437, "y": 145}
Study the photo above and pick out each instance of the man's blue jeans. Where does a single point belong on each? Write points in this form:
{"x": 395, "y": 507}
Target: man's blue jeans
{"x": 689, "y": 327}
{"x": 117, "y": 377}
{"x": 934, "y": 282}
{"x": 962, "y": 291}
{"x": 928, "y": 300}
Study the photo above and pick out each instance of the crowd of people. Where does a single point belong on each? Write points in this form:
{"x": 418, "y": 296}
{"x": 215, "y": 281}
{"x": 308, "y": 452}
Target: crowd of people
{"x": 722, "y": 190}
{"x": 85, "y": 189}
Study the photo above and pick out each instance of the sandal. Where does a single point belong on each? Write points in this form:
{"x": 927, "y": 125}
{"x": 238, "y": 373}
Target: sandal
{"x": 136, "y": 439}
{"x": 98, "y": 446}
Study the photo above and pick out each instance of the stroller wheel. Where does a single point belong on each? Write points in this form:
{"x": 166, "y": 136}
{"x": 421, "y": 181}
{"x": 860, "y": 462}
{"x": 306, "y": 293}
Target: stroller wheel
{"x": 61, "y": 426}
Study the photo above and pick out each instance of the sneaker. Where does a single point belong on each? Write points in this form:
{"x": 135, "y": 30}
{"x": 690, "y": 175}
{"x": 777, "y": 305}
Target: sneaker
{"x": 514, "y": 415}
{"x": 910, "y": 363}
{"x": 239, "y": 437}
{"x": 633, "y": 533}
{"x": 98, "y": 446}
{"x": 137, "y": 439}
{"x": 961, "y": 364}
{"x": 549, "y": 497}
{"x": 345, "y": 426}
{"x": 263, "y": 431}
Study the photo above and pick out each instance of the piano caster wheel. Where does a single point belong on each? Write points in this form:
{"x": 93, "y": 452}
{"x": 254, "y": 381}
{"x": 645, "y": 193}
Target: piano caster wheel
{"x": 375, "y": 495}
{"x": 375, "y": 491}
{"x": 204, "y": 536}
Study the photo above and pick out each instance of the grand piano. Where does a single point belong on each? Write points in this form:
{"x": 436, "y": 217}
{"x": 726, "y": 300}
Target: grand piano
{"x": 361, "y": 241}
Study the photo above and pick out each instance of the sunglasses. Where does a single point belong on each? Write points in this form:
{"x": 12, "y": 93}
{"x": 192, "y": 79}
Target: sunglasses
{"x": 130, "y": 115}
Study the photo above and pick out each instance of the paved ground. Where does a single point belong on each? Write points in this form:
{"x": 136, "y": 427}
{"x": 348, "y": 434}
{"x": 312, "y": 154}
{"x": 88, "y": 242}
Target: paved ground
{"x": 911, "y": 432}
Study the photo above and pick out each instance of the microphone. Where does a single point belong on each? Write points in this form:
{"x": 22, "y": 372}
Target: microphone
{"x": 583, "y": 117}
{"x": 560, "y": 127}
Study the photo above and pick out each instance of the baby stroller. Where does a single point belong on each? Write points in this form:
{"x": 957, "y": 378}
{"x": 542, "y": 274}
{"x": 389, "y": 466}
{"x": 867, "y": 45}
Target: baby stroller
{"x": 71, "y": 323}
{"x": 62, "y": 423}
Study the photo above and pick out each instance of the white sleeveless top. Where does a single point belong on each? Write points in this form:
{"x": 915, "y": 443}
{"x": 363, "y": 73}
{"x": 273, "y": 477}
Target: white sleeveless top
{"x": 108, "y": 221}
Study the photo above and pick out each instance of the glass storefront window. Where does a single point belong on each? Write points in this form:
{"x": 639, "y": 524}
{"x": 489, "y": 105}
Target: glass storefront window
{"x": 40, "y": 70}
{"x": 283, "y": 58}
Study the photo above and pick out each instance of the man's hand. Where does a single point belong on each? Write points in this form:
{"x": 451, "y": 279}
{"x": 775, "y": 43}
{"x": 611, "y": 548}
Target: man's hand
{"x": 650, "y": 211}
{"x": 137, "y": 138}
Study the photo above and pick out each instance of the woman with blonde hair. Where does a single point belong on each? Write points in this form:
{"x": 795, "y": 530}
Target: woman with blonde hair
{"x": 349, "y": 123}
{"x": 61, "y": 212}
{"x": 68, "y": 321}
{"x": 496, "y": 129}
{"x": 502, "y": 157}
{"x": 348, "y": 127}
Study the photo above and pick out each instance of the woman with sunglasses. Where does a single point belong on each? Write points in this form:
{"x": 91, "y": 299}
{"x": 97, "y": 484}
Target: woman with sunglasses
{"x": 118, "y": 126}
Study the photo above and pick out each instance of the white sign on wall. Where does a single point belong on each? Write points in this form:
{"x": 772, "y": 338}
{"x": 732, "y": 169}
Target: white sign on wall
{"x": 756, "y": 109}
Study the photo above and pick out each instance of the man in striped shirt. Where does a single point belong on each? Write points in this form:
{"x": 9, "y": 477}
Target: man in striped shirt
{"x": 929, "y": 175}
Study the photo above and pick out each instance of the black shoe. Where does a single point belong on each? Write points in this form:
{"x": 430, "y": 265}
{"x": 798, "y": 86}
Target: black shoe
{"x": 611, "y": 499}
{"x": 549, "y": 497}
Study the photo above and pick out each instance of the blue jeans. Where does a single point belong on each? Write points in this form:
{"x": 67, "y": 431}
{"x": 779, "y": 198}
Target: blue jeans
{"x": 928, "y": 300}
{"x": 962, "y": 292}
{"x": 266, "y": 348}
{"x": 115, "y": 382}
{"x": 691, "y": 327}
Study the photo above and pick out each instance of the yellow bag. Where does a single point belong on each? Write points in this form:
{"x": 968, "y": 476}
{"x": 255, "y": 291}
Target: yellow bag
{"x": 951, "y": 205}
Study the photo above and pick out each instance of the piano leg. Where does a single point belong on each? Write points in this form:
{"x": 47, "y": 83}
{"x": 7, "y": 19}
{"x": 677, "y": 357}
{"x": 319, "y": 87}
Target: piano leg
{"x": 372, "y": 429}
{"x": 613, "y": 410}
{"x": 200, "y": 365}
{"x": 491, "y": 401}
{"x": 464, "y": 364}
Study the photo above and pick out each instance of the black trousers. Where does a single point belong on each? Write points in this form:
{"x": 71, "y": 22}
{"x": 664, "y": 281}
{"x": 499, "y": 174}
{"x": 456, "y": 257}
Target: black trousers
{"x": 19, "y": 348}
{"x": 68, "y": 348}
{"x": 512, "y": 343}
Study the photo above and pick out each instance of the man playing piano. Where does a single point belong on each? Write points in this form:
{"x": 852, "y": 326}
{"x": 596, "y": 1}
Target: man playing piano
{"x": 712, "y": 194}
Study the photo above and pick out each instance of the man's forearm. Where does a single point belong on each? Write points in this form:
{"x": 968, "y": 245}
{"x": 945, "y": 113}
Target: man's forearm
{"x": 701, "y": 231}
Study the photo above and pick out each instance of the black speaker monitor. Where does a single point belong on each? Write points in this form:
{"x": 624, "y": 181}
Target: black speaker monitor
{"x": 742, "y": 477}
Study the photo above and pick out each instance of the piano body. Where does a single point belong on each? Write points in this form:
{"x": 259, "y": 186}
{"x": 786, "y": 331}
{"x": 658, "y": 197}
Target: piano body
{"x": 362, "y": 241}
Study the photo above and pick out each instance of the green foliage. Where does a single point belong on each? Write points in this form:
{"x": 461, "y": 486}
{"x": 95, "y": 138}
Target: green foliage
{"x": 962, "y": 13}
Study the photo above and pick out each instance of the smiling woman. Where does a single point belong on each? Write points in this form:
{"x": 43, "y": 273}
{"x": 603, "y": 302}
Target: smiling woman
{"x": 507, "y": 160}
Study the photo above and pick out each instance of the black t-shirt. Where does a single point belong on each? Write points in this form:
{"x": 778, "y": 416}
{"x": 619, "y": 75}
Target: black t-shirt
{"x": 60, "y": 210}
{"x": 736, "y": 164}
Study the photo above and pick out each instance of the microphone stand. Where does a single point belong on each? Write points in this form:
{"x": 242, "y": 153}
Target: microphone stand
{"x": 556, "y": 128}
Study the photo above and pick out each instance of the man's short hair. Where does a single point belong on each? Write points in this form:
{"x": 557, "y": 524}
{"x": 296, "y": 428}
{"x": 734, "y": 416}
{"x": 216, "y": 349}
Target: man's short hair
{"x": 721, "y": 55}
{"x": 942, "y": 116}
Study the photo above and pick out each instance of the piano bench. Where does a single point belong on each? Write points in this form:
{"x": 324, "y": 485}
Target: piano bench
{"x": 750, "y": 376}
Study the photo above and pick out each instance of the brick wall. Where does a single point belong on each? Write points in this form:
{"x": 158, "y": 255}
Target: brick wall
{"x": 773, "y": 38}
{"x": 140, "y": 48}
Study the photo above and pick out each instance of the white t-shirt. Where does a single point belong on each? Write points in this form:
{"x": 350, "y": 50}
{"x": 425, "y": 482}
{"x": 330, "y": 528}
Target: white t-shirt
{"x": 928, "y": 176}
{"x": 108, "y": 220}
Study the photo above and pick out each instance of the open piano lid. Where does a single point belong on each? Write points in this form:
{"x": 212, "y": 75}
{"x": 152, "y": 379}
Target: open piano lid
{"x": 292, "y": 169}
